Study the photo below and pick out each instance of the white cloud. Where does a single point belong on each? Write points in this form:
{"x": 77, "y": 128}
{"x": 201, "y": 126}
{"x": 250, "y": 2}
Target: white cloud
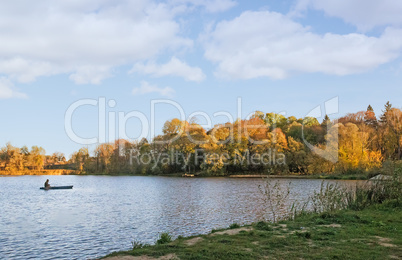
{"x": 364, "y": 14}
{"x": 85, "y": 39}
{"x": 212, "y": 6}
{"x": 174, "y": 67}
{"x": 7, "y": 90}
{"x": 147, "y": 88}
{"x": 90, "y": 74}
{"x": 258, "y": 44}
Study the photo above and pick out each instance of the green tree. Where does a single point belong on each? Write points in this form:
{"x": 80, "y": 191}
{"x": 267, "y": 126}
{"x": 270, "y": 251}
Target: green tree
{"x": 310, "y": 121}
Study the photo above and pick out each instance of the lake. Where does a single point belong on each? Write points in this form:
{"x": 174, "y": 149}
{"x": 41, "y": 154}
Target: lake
{"x": 102, "y": 214}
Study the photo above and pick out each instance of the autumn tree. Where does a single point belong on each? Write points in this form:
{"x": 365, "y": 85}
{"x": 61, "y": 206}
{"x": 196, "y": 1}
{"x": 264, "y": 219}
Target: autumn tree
{"x": 296, "y": 157}
{"x": 37, "y": 157}
{"x": 12, "y": 158}
{"x": 103, "y": 153}
{"x": 393, "y": 131}
{"x": 80, "y": 158}
{"x": 326, "y": 121}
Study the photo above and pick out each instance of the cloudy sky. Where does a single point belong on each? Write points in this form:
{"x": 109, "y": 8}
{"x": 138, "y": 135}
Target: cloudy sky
{"x": 285, "y": 56}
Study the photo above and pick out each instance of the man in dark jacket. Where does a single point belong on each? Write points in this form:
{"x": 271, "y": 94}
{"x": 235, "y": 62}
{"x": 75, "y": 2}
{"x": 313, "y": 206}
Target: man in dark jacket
{"x": 47, "y": 185}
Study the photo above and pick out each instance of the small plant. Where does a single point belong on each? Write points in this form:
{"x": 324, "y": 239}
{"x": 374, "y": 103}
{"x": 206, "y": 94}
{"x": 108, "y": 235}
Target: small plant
{"x": 234, "y": 225}
{"x": 306, "y": 235}
{"x": 327, "y": 233}
{"x": 331, "y": 197}
{"x": 263, "y": 226}
{"x": 164, "y": 238}
{"x": 319, "y": 221}
{"x": 298, "y": 209}
{"x": 274, "y": 196}
{"x": 137, "y": 244}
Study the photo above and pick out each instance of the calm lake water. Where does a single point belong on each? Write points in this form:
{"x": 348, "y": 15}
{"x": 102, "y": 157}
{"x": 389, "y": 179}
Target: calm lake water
{"x": 102, "y": 214}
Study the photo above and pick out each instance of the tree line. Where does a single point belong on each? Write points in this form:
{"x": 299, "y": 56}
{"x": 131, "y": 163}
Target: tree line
{"x": 364, "y": 142}
{"x": 19, "y": 159}
{"x": 264, "y": 143}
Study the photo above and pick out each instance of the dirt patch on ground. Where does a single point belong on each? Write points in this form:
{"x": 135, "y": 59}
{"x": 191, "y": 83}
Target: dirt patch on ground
{"x": 193, "y": 241}
{"x": 142, "y": 257}
{"x": 281, "y": 226}
{"x": 332, "y": 225}
{"x": 384, "y": 241}
{"x": 298, "y": 231}
{"x": 234, "y": 231}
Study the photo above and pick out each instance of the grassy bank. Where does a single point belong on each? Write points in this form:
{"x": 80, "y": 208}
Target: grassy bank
{"x": 373, "y": 233}
{"x": 360, "y": 223}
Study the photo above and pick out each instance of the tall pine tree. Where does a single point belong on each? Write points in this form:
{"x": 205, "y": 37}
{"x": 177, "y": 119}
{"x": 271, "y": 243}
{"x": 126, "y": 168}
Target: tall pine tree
{"x": 387, "y": 108}
{"x": 369, "y": 117}
{"x": 326, "y": 121}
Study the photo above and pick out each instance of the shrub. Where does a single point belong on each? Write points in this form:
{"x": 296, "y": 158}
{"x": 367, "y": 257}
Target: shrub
{"x": 304, "y": 234}
{"x": 137, "y": 244}
{"x": 234, "y": 225}
{"x": 331, "y": 197}
{"x": 274, "y": 196}
{"x": 377, "y": 192}
{"x": 263, "y": 226}
{"x": 164, "y": 238}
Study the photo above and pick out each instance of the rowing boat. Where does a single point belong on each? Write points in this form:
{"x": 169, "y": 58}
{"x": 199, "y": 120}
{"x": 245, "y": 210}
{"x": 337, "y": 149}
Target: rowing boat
{"x": 57, "y": 187}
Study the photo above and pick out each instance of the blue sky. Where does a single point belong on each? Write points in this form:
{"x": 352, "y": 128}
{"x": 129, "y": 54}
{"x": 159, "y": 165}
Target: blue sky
{"x": 277, "y": 56}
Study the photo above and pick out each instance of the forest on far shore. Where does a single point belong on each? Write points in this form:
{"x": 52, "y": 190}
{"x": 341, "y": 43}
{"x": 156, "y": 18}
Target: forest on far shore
{"x": 267, "y": 143}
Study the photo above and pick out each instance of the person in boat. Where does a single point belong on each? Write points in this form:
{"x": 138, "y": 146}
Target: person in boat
{"x": 47, "y": 185}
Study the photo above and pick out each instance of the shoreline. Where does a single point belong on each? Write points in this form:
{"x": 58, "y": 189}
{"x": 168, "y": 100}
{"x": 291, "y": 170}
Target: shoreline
{"x": 241, "y": 176}
{"x": 40, "y": 172}
{"x": 343, "y": 234}
{"x": 271, "y": 176}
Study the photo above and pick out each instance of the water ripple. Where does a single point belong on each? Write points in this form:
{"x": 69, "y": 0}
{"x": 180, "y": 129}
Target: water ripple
{"x": 103, "y": 214}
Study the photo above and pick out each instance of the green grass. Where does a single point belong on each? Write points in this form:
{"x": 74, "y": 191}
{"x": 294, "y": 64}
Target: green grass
{"x": 372, "y": 233}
